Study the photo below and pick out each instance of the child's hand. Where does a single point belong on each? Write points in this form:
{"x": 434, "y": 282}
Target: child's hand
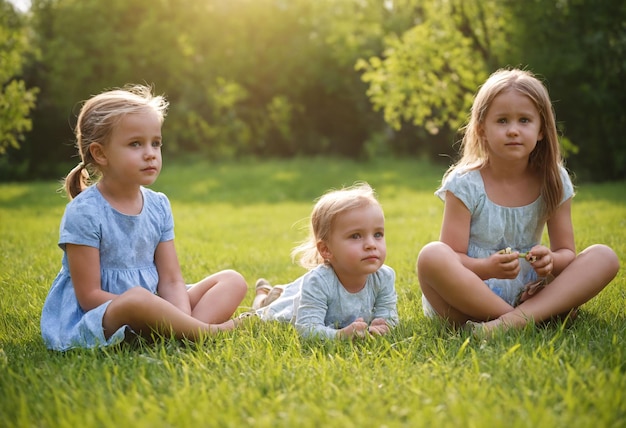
{"x": 504, "y": 264}
{"x": 378, "y": 327}
{"x": 543, "y": 263}
{"x": 357, "y": 329}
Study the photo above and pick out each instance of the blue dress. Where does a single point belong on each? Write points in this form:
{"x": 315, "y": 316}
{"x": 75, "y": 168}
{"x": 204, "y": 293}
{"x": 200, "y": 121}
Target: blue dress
{"x": 127, "y": 244}
{"x": 494, "y": 227}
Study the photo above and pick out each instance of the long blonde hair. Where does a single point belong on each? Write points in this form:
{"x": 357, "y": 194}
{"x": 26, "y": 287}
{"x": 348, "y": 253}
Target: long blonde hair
{"x": 324, "y": 213}
{"x": 97, "y": 118}
{"x": 545, "y": 159}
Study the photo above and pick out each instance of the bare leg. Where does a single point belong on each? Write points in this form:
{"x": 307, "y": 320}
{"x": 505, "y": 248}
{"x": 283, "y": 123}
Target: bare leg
{"x": 455, "y": 292}
{"x": 591, "y": 271}
{"x": 217, "y": 297}
{"x": 145, "y": 313}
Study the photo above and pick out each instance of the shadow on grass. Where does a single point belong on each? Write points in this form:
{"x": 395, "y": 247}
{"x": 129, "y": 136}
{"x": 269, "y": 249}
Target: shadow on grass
{"x": 250, "y": 181}
{"x": 297, "y": 180}
{"x": 32, "y": 196}
{"x": 253, "y": 181}
{"x": 271, "y": 181}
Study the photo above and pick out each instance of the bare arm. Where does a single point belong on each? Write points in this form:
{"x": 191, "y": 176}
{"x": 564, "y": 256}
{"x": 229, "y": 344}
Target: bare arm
{"x": 171, "y": 285}
{"x": 562, "y": 247}
{"x": 455, "y": 230}
{"x": 84, "y": 265}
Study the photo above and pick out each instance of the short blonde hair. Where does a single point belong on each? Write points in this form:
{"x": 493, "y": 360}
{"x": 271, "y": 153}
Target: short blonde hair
{"x": 324, "y": 213}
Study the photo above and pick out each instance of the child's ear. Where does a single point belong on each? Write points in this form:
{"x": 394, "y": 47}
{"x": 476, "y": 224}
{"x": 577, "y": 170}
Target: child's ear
{"x": 480, "y": 130}
{"x": 97, "y": 153}
{"x": 323, "y": 249}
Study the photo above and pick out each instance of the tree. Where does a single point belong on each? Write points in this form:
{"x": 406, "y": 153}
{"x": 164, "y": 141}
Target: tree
{"x": 262, "y": 77}
{"x": 16, "y": 100}
{"x": 427, "y": 77}
{"x": 579, "y": 47}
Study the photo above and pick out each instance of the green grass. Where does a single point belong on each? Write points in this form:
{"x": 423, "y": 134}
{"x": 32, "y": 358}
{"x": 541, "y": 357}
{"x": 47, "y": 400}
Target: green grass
{"x": 248, "y": 216}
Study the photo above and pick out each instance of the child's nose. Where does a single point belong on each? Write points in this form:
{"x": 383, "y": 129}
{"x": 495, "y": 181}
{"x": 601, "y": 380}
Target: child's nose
{"x": 512, "y": 129}
{"x": 151, "y": 152}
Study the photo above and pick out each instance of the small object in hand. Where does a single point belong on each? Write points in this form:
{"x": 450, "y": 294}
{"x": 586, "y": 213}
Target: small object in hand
{"x": 508, "y": 250}
{"x": 531, "y": 258}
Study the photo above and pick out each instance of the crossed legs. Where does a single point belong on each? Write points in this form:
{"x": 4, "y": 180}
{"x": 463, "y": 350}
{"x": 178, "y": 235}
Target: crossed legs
{"x": 458, "y": 295}
{"x": 213, "y": 301}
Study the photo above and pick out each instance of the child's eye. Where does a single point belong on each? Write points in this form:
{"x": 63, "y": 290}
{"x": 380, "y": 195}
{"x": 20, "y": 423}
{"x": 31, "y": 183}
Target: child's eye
{"x": 524, "y": 120}
{"x": 379, "y": 235}
{"x": 501, "y": 120}
{"x": 355, "y": 236}
{"x": 135, "y": 144}
{"x": 157, "y": 144}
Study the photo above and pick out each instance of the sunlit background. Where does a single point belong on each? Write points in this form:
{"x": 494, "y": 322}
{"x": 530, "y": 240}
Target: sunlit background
{"x": 265, "y": 79}
{"x": 22, "y": 5}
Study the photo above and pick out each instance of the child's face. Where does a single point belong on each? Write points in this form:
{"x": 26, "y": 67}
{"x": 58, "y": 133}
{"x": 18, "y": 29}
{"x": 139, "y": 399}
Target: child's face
{"x": 357, "y": 242}
{"x": 132, "y": 155}
{"x": 512, "y": 127}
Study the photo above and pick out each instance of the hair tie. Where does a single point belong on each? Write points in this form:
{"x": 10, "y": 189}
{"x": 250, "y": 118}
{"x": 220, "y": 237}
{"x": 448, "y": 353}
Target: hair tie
{"x": 81, "y": 164}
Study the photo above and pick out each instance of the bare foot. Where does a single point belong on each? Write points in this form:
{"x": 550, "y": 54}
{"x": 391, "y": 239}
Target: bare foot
{"x": 488, "y": 329}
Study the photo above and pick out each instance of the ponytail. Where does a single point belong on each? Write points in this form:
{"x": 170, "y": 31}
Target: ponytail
{"x": 97, "y": 118}
{"x": 76, "y": 181}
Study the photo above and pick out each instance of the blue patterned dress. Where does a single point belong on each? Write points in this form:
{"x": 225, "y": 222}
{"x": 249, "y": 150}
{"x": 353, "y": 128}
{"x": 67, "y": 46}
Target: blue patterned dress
{"x": 127, "y": 244}
{"x": 494, "y": 227}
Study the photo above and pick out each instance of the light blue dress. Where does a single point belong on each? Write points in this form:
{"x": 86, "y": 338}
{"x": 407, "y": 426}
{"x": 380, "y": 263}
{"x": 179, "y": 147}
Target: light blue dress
{"x": 494, "y": 227}
{"x": 319, "y": 305}
{"x": 127, "y": 244}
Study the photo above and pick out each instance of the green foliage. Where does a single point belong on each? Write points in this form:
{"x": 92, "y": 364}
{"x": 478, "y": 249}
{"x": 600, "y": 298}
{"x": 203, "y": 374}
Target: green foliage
{"x": 580, "y": 48}
{"x": 276, "y": 78}
{"x": 16, "y": 100}
{"x": 247, "y": 216}
{"x": 264, "y": 78}
{"x": 427, "y": 76}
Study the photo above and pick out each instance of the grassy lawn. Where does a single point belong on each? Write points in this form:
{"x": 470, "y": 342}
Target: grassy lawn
{"x": 248, "y": 216}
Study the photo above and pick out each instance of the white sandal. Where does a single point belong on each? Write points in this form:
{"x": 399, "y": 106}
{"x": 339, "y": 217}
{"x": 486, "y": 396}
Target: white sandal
{"x": 262, "y": 284}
